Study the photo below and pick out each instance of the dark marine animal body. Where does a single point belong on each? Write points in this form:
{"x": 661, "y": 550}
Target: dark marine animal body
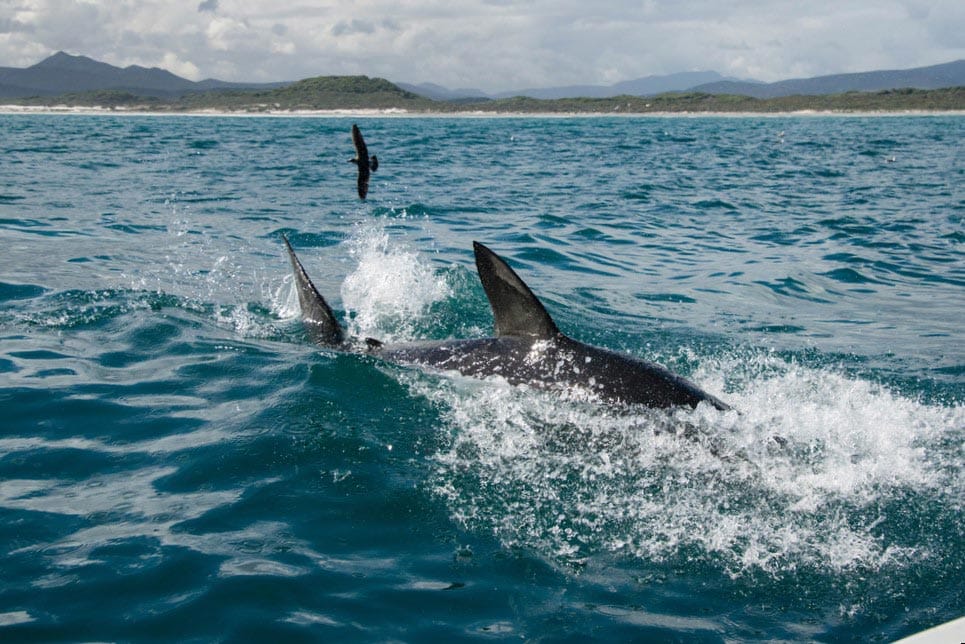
{"x": 527, "y": 348}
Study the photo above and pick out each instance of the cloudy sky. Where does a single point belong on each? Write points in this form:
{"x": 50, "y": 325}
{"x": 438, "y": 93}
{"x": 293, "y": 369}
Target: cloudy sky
{"x": 488, "y": 44}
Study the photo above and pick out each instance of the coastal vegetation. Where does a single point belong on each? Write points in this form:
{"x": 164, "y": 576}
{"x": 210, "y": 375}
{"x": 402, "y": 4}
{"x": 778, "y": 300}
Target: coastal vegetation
{"x": 325, "y": 93}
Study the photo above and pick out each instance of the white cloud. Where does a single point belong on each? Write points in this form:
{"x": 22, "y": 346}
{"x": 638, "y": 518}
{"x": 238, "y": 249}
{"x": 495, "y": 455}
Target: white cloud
{"x": 490, "y": 44}
{"x": 175, "y": 65}
{"x": 227, "y": 34}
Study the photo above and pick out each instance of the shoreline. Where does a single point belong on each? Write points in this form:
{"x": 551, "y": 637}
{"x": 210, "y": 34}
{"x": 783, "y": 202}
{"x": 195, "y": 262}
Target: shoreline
{"x": 66, "y": 110}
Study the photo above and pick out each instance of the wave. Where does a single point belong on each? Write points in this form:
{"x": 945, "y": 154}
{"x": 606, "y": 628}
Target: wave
{"x": 812, "y": 474}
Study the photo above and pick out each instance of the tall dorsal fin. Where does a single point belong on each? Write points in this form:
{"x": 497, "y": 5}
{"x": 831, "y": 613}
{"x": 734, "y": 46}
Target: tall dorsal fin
{"x": 515, "y": 308}
{"x": 317, "y": 316}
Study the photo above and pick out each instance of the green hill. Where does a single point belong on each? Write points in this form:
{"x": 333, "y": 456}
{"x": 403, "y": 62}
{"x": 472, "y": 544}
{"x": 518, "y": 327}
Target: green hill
{"x": 949, "y": 99}
{"x": 318, "y": 93}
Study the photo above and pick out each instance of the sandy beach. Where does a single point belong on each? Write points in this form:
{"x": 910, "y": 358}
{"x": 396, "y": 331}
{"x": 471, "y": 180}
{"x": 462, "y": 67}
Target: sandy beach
{"x": 404, "y": 113}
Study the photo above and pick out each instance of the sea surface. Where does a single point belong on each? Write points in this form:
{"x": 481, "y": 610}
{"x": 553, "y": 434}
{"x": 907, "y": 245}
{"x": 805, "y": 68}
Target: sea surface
{"x": 179, "y": 463}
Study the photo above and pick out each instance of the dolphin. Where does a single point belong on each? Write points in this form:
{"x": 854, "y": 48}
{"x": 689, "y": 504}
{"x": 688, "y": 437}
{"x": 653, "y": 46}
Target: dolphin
{"x": 527, "y": 347}
{"x": 364, "y": 162}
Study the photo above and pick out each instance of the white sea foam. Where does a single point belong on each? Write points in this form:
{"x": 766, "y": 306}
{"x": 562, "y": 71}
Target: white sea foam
{"x": 390, "y": 287}
{"x": 569, "y": 480}
{"x": 799, "y": 479}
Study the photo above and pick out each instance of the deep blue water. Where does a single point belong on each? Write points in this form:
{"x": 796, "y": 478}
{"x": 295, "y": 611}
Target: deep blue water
{"x": 177, "y": 462}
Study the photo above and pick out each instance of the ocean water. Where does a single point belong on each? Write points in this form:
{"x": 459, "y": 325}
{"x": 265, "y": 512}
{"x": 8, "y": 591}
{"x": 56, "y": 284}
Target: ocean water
{"x": 177, "y": 462}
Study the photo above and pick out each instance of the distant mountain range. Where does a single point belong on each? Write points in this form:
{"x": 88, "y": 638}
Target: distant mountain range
{"x": 932, "y": 77}
{"x": 63, "y": 73}
{"x": 646, "y": 86}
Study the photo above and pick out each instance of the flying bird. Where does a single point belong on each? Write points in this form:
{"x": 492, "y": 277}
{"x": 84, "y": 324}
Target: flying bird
{"x": 363, "y": 161}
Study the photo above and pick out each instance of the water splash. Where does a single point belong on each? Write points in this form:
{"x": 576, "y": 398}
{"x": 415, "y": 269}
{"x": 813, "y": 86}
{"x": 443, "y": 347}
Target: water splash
{"x": 390, "y": 288}
{"x": 810, "y": 476}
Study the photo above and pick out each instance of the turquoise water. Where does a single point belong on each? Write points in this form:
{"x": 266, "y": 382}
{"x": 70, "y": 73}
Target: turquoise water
{"x": 177, "y": 462}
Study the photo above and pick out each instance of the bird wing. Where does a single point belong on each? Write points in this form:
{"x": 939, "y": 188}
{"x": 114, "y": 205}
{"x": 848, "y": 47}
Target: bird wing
{"x": 363, "y": 180}
{"x": 361, "y": 151}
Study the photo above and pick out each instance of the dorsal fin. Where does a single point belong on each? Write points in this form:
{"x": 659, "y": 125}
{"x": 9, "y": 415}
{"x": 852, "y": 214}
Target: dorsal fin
{"x": 515, "y": 309}
{"x": 317, "y": 316}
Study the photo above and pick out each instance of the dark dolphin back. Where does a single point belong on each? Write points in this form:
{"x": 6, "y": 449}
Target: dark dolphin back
{"x": 516, "y": 310}
{"x": 317, "y": 316}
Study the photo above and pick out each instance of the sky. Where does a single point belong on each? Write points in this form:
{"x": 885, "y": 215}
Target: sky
{"x": 492, "y": 45}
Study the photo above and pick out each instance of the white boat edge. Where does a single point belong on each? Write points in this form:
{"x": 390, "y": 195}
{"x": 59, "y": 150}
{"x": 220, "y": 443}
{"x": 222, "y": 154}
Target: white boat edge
{"x": 952, "y": 632}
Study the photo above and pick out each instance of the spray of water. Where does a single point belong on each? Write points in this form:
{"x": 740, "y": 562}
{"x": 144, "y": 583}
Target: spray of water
{"x": 390, "y": 288}
{"x": 801, "y": 479}
{"x": 805, "y": 476}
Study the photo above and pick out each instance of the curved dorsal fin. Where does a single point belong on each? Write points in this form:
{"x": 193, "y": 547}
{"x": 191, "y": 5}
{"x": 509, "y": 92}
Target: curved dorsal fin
{"x": 515, "y": 309}
{"x": 317, "y": 316}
